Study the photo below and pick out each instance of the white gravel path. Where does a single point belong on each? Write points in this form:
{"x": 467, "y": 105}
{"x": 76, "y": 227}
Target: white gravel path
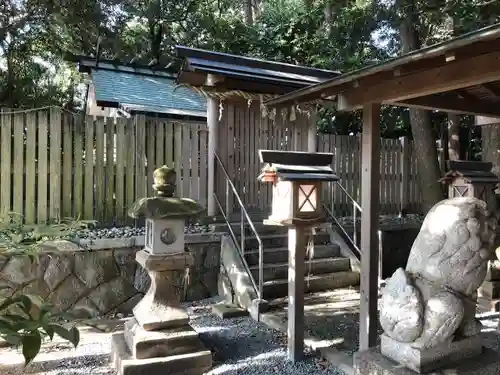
{"x": 239, "y": 346}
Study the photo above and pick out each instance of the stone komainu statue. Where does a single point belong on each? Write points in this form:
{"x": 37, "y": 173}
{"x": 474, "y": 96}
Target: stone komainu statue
{"x": 432, "y": 302}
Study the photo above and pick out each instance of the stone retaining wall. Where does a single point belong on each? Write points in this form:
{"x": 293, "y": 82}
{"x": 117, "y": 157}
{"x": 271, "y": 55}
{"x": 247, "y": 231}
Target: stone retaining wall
{"x": 102, "y": 276}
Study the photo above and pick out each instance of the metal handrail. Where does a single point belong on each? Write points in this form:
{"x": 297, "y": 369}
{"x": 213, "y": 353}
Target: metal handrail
{"x": 343, "y": 232}
{"x": 241, "y": 246}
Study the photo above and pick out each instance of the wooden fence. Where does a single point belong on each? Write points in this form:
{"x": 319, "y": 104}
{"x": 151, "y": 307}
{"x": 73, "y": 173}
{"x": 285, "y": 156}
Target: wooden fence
{"x": 56, "y": 165}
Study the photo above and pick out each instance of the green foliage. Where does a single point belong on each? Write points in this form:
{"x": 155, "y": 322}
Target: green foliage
{"x": 26, "y": 321}
{"x": 17, "y": 238}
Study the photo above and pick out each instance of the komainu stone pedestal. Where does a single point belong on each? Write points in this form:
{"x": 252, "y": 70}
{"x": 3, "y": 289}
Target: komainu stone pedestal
{"x": 425, "y": 360}
{"x": 372, "y": 362}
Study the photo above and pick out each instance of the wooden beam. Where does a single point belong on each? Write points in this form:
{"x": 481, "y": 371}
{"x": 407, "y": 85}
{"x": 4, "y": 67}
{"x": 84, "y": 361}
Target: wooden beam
{"x": 370, "y": 181}
{"x": 493, "y": 89}
{"x": 451, "y": 76}
{"x": 463, "y": 103}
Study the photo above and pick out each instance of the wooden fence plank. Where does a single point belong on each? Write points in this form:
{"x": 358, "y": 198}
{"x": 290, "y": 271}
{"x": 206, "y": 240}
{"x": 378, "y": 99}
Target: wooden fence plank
{"x": 31, "y": 176}
{"x": 67, "y": 166}
{"x": 100, "y": 183}
{"x": 55, "y": 163}
{"x": 169, "y": 146}
{"x": 186, "y": 162}
{"x": 195, "y": 163}
{"x": 130, "y": 192}
{"x": 42, "y": 168}
{"x": 160, "y": 159}
{"x": 109, "y": 213}
{"x": 88, "y": 208}
{"x": 140, "y": 156}
{"x": 178, "y": 157}
{"x": 18, "y": 166}
{"x": 78, "y": 173}
{"x": 121, "y": 161}
{"x": 151, "y": 133}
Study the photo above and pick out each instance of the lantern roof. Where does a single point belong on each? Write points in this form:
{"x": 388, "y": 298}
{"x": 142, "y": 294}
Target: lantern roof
{"x": 298, "y": 166}
{"x": 470, "y": 171}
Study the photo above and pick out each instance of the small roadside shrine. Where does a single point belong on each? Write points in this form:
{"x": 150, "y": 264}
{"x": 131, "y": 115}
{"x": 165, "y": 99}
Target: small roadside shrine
{"x": 296, "y": 179}
{"x": 462, "y": 76}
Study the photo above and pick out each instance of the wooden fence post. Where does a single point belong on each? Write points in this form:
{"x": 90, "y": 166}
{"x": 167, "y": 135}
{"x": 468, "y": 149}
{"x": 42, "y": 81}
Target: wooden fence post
{"x": 405, "y": 173}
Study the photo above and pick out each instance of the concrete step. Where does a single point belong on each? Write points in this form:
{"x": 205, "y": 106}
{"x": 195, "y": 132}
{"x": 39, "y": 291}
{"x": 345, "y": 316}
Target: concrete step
{"x": 317, "y": 283}
{"x": 280, "y": 254}
{"x": 313, "y": 266}
{"x": 281, "y": 240}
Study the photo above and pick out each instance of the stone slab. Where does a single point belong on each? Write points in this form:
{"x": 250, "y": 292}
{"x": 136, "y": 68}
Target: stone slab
{"x": 160, "y": 317}
{"x": 152, "y": 344}
{"x": 195, "y": 363}
{"x": 371, "y": 362}
{"x": 227, "y": 311}
{"x": 425, "y": 360}
{"x": 164, "y": 262}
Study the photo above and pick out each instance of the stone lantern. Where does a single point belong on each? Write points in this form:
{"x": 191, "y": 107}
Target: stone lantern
{"x": 470, "y": 179}
{"x": 159, "y": 338}
{"x": 297, "y": 178}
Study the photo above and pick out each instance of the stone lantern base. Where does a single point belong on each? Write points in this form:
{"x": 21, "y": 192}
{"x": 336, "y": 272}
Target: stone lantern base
{"x": 159, "y": 340}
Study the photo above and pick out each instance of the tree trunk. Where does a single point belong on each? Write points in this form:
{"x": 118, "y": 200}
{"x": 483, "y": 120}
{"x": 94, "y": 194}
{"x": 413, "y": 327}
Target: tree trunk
{"x": 490, "y": 136}
{"x": 421, "y": 127}
{"x": 453, "y": 136}
{"x": 249, "y": 12}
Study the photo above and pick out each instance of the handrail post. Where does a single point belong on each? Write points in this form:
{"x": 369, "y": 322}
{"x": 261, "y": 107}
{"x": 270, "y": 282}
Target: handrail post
{"x": 242, "y": 235}
{"x": 227, "y": 197}
{"x": 261, "y": 271}
{"x": 355, "y": 223}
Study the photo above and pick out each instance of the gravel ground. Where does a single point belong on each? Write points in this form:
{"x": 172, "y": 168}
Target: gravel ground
{"x": 129, "y": 231}
{"x": 239, "y": 346}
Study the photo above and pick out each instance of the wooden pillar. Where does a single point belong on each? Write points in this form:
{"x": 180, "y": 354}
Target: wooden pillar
{"x": 297, "y": 243}
{"x": 405, "y": 174}
{"x": 312, "y": 138}
{"x": 213, "y": 124}
{"x": 370, "y": 186}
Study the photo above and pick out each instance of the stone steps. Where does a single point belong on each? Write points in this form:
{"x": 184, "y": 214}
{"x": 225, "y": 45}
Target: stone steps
{"x": 279, "y": 287}
{"x": 280, "y": 240}
{"x": 280, "y": 254}
{"x": 313, "y": 266}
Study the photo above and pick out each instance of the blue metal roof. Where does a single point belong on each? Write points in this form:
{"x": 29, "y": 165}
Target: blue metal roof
{"x": 153, "y": 93}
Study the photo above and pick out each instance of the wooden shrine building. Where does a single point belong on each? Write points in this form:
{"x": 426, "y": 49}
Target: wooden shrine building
{"x": 461, "y": 75}
{"x": 235, "y": 88}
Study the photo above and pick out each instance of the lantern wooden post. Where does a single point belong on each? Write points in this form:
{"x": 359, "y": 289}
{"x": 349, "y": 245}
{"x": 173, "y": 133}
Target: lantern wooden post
{"x": 296, "y": 179}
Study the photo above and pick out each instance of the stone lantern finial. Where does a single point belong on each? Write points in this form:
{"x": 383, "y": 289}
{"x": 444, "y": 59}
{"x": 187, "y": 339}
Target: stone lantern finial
{"x": 164, "y": 181}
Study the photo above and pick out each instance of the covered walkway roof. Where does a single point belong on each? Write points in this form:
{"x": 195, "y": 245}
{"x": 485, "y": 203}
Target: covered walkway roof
{"x": 460, "y": 75}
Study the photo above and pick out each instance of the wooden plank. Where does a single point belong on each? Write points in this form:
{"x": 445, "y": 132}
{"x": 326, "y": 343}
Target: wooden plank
{"x": 78, "y": 176}
{"x": 110, "y": 214}
{"x": 67, "y": 166}
{"x": 121, "y": 161}
{"x": 195, "y": 162}
{"x": 339, "y": 195}
{"x": 100, "y": 183}
{"x": 394, "y": 174}
{"x": 397, "y": 173}
{"x": 31, "y": 177}
{"x": 130, "y": 192}
{"x": 42, "y": 167}
{"x": 55, "y": 163}
{"x": 244, "y": 118}
{"x": 405, "y": 173}
{"x": 232, "y": 119}
{"x": 160, "y": 159}
{"x": 18, "y": 166}
{"x": 169, "y": 146}
{"x": 203, "y": 165}
{"x": 186, "y": 160}
{"x": 178, "y": 157}
{"x": 254, "y": 160}
{"x": 140, "y": 156}
{"x": 151, "y": 136}
{"x": 368, "y": 321}
{"x": 89, "y": 169}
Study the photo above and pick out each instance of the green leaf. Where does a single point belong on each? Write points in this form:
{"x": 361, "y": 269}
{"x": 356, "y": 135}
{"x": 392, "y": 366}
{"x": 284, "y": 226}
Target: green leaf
{"x": 72, "y": 334}
{"x": 31, "y": 346}
{"x": 50, "y": 331}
